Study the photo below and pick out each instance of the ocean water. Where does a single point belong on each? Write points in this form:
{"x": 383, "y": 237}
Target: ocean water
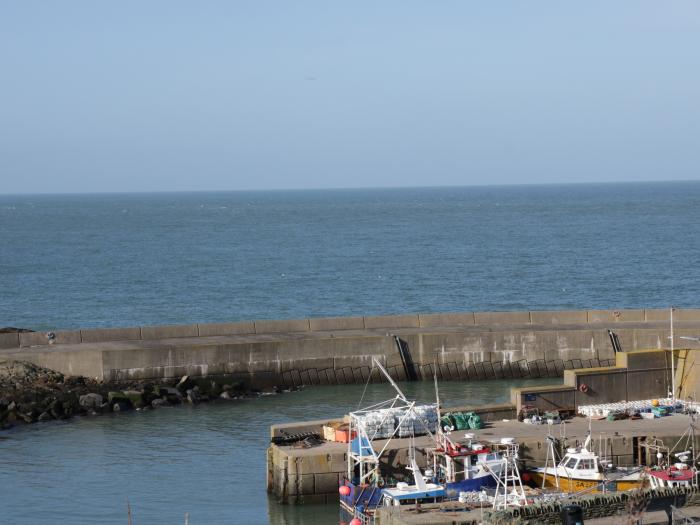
{"x": 70, "y": 261}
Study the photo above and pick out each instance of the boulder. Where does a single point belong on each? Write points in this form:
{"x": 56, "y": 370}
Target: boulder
{"x": 114, "y": 396}
{"x": 118, "y": 402}
{"x": 185, "y": 384}
{"x": 56, "y": 409}
{"x": 159, "y": 402}
{"x": 193, "y": 396}
{"x": 121, "y": 405}
{"x": 215, "y": 388}
{"x": 135, "y": 398}
{"x": 28, "y": 417}
{"x": 91, "y": 401}
{"x": 171, "y": 395}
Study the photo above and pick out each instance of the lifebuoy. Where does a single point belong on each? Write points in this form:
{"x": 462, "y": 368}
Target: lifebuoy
{"x": 583, "y": 387}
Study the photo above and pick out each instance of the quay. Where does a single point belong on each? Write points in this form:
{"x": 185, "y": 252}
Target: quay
{"x": 312, "y": 475}
{"x": 319, "y": 351}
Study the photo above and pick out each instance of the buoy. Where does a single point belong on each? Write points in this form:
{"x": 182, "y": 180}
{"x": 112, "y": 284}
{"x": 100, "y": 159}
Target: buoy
{"x": 344, "y": 490}
{"x": 654, "y": 402}
{"x": 583, "y": 387}
{"x": 355, "y": 521}
{"x": 526, "y": 477}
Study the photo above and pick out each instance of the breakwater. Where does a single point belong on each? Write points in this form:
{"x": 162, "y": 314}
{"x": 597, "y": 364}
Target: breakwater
{"x": 30, "y": 394}
{"x": 471, "y": 345}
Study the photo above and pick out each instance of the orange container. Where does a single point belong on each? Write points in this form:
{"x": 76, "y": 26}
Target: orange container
{"x": 342, "y": 434}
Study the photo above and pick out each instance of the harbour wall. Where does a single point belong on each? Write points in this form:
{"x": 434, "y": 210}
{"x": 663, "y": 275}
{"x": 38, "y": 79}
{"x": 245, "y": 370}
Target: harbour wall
{"x": 470, "y": 346}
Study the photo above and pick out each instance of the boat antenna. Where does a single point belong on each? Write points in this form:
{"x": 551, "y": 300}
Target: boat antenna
{"x": 388, "y": 377}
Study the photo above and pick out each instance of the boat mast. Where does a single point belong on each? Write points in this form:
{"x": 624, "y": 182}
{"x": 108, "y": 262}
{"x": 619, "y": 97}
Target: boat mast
{"x": 673, "y": 368}
{"x": 550, "y": 453}
{"x": 509, "y": 489}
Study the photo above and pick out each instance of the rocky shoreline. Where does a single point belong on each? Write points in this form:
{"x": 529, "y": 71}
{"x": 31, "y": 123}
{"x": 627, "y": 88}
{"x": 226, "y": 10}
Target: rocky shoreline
{"x": 30, "y": 394}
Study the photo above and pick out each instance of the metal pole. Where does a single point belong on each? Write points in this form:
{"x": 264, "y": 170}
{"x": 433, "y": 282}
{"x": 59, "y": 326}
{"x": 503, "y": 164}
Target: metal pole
{"x": 673, "y": 367}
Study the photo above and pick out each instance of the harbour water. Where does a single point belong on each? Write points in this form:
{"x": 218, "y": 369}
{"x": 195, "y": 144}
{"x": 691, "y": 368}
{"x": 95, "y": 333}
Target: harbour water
{"x": 208, "y": 460}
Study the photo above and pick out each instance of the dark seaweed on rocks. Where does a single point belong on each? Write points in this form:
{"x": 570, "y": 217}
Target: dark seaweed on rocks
{"x": 30, "y": 393}
{"x": 13, "y": 330}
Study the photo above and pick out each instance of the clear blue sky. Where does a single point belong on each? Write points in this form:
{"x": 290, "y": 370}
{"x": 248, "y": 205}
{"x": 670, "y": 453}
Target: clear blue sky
{"x": 172, "y": 95}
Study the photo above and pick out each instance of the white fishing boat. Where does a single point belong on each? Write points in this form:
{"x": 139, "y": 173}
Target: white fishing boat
{"x": 581, "y": 470}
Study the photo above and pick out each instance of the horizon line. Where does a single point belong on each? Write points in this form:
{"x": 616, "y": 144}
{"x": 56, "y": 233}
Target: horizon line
{"x": 349, "y": 188}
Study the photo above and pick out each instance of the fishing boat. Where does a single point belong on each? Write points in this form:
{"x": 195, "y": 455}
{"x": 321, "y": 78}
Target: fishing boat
{"x": 678, "y": 475}
{"x": 364, "y": 489}
{"x": 423, "y": 490}
{"x": 673, "y": 469}
{"x": 581, "y": 470}
{"x": 465, "y": 467}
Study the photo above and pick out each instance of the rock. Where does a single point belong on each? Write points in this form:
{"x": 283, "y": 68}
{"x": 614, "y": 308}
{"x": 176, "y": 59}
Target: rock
{"x": 169, "y": 391}
{"x": 193, "y": 396}
{"x": 215, "y": 388}
{"x": 185, "y": 384}
{"x": 71, "y": 404}
{"x": 135, "y": 398}
{"x": 44, "y": 416}
{"x": 171, "y": 395}
{"x": 118, "y": 401}
{"x": 121, "y": 405}
{"x": 12, "y": 405}
{"x": 91, "y": 401}
{"x": 159, "y": 402}
{"x": 28, "y": 417}
{"x": 56, "y": 409}
{"x": 150, "y": 393}
{"x": 115, "y": 396}
{"x": 225, "y": 395}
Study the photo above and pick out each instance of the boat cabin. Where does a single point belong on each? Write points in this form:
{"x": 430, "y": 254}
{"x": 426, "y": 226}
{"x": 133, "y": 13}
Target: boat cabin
{"x": 405, "y": 494}
{"x": 580, "y": 464}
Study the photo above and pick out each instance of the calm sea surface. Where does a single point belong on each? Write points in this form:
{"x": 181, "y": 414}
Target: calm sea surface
{"x": 124, "y": 260}
{"x": 74, "y": 261}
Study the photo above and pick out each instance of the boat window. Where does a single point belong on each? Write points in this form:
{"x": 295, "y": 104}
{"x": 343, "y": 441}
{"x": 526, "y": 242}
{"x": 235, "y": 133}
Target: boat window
{"x": 586, "y": 464}
{"x": 570, "y": 463}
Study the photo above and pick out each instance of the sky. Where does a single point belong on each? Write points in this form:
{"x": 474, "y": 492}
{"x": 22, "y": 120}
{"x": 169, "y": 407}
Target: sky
{"x": 171, "y": 95}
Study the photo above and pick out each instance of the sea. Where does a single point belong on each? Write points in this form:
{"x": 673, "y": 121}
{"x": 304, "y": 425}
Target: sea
{"x": 101, "y": 260}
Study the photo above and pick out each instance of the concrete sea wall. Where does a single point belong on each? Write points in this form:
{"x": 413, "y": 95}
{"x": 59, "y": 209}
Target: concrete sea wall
{"x": 471, "y": 345}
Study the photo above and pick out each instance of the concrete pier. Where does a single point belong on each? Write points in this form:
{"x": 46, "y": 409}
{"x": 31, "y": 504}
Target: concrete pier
{"x": 298, "y": 476}
{"x": 467, "y": 346}
{"x": 310, "y": 475}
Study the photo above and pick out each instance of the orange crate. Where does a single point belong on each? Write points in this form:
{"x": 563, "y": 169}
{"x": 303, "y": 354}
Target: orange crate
{"x": 342, "y": 434}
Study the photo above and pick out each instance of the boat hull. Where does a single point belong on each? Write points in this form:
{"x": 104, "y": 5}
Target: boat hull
{"x": 569, "y": 484}
{"x": 470, "y": 485}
